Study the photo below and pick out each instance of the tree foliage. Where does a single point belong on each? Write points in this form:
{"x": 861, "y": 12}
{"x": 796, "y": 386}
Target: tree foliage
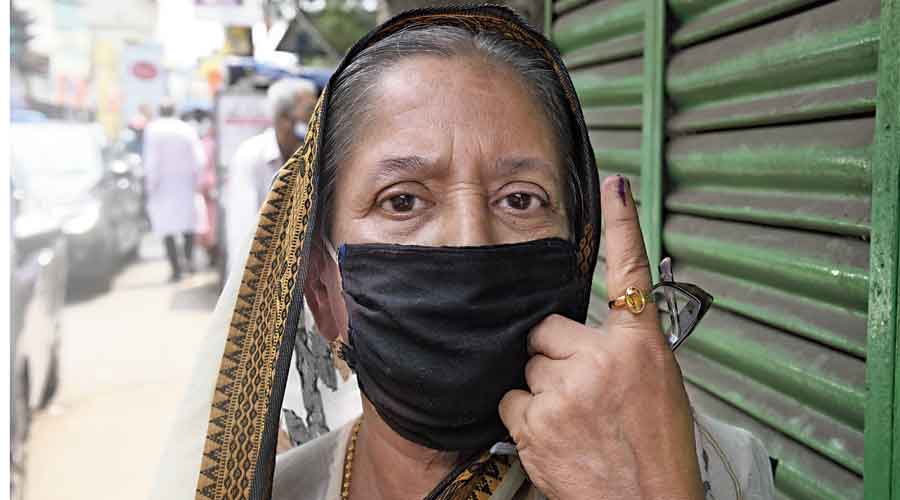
{"x": 342, "y": 23}
{"x": 339, "y": 22}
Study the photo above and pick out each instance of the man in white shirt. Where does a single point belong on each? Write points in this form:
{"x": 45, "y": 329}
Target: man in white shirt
{"x": 291, "y": 102}
{"x": 173, "y": 157}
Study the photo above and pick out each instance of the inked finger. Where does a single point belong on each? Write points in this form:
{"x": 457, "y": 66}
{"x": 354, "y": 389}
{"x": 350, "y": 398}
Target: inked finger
{"x": 626, "y": 258}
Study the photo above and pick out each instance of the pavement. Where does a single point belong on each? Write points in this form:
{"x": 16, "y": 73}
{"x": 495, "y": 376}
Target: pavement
{"x": 125, "y": 358}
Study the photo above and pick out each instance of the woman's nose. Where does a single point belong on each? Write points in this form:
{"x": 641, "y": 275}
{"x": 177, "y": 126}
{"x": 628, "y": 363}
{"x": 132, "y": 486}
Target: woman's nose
{"x": 467, "y": 222}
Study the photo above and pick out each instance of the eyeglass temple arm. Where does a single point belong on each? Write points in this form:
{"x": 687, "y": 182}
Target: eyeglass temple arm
{"x": 665, "y": 270}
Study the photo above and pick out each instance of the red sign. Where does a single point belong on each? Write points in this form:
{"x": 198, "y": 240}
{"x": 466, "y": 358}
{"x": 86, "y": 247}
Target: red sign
{"x": 144, "y": 70}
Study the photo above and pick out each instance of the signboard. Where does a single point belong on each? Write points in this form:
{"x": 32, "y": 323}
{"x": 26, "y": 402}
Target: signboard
{"x": 238, "y": 41}
{"x": 144, "y": 70}
{"x": 107, "y": 80}
{"x": 143, "y": 77}
{"x": 229, "y": 12}
{"x": 238, "y": 118}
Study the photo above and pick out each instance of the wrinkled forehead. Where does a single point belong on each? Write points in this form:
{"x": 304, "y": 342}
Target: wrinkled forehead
{"x": 461, "y": 102}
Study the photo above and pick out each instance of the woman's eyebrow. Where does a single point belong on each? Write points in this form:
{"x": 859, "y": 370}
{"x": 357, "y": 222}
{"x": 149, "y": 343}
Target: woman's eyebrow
{"x": 391, "y": 166}
{"x": 511, "y": 165}
{"x": 388, "y": 167}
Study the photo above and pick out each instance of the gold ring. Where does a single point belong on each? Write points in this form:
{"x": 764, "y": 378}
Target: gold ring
{"x": 634, "y": 299}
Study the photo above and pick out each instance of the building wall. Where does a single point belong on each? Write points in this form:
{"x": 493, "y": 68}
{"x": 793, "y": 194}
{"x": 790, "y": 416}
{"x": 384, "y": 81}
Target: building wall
{"x": 82, "y": 42}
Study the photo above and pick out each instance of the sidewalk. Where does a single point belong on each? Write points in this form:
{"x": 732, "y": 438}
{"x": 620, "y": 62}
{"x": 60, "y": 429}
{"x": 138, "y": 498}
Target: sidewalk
{"x": 124, "y": 362}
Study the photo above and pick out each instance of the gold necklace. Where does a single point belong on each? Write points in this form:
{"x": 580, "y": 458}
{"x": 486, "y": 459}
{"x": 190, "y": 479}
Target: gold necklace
{"x": 348, "y": 461}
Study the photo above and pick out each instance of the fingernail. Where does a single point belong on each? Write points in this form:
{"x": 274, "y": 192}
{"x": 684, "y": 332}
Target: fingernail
{"x": 621, "y": 189}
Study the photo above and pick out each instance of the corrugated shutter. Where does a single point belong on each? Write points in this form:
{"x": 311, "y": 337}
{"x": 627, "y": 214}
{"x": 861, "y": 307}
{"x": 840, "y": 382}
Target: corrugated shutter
{"x": 768, "y": 169}
{"x": 602, "y": 45}
{"x": 768, "y": 177}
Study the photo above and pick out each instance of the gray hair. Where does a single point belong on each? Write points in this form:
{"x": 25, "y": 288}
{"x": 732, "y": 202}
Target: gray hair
{"x": 350, "y": 100}
{"x": 282, "y": 94}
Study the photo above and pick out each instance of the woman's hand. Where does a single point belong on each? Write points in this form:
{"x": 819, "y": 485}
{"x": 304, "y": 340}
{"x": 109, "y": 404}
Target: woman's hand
{"x": 607, "y": 415}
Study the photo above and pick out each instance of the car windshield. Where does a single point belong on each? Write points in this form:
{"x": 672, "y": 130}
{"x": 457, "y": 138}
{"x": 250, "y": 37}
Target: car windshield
{"x": 54, "y": 154}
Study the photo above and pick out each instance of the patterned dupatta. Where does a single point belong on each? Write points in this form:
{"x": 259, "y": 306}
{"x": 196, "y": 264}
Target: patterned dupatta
{"x": 239, "y": 452}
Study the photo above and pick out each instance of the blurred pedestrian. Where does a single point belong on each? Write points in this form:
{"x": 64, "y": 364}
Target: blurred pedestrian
{"x": 208, "y": 185}
{"x": 251, "y": 170}
{"x": 173, "y": 159}
{"x": 205, "y": 204}
{"x": 134, "y": 138}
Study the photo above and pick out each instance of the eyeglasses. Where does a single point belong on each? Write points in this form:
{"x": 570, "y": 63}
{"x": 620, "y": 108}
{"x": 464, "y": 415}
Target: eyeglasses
{"x": 681, "y": 306}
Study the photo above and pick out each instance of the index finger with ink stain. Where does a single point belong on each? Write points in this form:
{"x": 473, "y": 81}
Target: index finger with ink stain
{"x": 626, "y": 258}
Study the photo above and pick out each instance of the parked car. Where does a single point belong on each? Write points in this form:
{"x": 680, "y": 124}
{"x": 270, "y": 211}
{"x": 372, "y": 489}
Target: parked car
{"x": 63, "y": 171}
{"x": 37, "y": 288}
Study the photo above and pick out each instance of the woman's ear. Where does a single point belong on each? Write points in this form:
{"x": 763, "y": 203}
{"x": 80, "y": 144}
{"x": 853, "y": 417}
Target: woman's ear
{"x": 322, "y": 293}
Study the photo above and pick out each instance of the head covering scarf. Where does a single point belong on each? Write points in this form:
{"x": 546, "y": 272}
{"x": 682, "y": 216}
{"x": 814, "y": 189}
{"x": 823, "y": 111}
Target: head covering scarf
{"x": 239, "y": 451}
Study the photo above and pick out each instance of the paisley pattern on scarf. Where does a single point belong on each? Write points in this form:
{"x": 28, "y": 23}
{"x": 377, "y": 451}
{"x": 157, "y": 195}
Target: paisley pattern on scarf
{"x": 477, "y": 481}
{"x": 239, "y": 452}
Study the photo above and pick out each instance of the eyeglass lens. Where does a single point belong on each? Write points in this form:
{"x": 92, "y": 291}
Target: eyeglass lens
{"x": 678, "y": 312}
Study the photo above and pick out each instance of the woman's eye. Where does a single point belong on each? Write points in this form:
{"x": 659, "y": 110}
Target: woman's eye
{"x": 520, "y": 201}
{"x": 401, "y": 202}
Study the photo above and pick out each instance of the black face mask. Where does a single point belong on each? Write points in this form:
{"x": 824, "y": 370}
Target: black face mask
{"x": 439, "y": 334}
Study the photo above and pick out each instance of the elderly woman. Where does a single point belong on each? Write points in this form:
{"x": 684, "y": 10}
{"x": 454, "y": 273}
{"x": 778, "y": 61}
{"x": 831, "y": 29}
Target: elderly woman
{"x": 442, "y": 223}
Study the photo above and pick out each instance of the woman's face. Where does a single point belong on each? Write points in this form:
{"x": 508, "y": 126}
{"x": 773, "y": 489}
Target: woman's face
{"x": 454, "y": 152}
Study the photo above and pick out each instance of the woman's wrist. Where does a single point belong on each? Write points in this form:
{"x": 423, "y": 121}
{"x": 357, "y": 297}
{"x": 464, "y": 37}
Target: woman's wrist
{"x": 668, "y": 467}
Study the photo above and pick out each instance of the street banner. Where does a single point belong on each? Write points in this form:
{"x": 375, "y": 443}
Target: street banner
{"x": 143, "y": 77}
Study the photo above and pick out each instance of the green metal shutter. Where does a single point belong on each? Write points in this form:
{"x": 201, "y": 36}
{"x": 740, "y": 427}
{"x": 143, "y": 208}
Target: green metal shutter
{"x": 602, "y": 45}
{"x": 767, "y": 150}
{"x": 768, "y": 168}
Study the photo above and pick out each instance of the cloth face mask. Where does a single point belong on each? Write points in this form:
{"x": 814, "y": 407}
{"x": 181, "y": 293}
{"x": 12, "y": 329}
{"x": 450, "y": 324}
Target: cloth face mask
{"x": 437, "y": 335}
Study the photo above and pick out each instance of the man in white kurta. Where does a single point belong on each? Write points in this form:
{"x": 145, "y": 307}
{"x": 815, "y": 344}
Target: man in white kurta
{"x": 257, "y": 160}
{"x": 173, "y": 159}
